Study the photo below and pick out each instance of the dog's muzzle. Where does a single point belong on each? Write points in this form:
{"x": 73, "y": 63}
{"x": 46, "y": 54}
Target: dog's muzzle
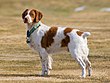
{"x": 25, "y": 20}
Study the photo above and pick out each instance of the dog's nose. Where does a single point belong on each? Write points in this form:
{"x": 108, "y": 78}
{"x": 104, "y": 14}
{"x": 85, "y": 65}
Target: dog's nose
{"x": 25, "y": 20}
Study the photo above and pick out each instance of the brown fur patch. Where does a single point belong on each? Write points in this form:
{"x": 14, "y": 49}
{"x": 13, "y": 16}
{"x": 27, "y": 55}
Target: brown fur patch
{"x": 35, "y": 15}
{"x": 66, "y": 40}
{"x": 47, "y": 39}
{"x": 79, "y": 33}
{"x": 32, "y": 14}
{"x": 24, "y": 13}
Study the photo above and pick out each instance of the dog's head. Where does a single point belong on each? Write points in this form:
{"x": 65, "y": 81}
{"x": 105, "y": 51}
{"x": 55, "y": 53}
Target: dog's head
{"x": 31, "y": 16}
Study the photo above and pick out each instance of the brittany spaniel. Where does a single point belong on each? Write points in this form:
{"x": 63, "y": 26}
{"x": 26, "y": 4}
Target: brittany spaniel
{"x": 48, "y": 40}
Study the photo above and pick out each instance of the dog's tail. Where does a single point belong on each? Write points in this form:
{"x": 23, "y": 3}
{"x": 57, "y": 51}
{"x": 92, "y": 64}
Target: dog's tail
{"x": 86, "y": 34}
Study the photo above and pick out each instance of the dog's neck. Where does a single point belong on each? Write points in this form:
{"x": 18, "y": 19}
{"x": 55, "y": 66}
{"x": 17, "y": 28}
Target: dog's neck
{"x": 30, "y": 25}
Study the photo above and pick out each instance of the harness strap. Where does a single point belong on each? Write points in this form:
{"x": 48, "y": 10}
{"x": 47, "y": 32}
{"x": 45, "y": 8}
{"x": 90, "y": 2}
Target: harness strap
{"x": 31, "y": 31}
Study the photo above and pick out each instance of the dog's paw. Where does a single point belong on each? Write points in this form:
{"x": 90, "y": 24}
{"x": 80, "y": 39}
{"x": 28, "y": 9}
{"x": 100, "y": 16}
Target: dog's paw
{"x": 45, "y": 73}
{"x": 82, "y": 77}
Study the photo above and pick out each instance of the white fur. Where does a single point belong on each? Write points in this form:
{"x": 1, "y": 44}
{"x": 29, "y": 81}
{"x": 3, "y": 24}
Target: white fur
{"x": 77, "y": 47}
{"x": 28, "y": 17}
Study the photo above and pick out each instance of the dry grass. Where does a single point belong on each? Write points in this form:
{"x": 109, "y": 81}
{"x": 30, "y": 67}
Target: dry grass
{"x": 18, "y": 64}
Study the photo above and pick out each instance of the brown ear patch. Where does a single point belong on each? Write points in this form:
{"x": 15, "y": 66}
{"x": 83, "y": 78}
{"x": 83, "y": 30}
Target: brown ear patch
{"x": 24, "y": 13}
{"x": 47, "y": 39}
{"x": 33, "y": 15}
{"x": 66, "y": 40}
{"x": 79, "y": 33}
{"x": 38, "y": 16}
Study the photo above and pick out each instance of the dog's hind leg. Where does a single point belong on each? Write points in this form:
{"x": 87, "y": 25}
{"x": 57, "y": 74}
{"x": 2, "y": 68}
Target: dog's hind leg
{"x": 88, "y": 63}
{"x": 82, "y": 64}
{"x": 76, "y": 55}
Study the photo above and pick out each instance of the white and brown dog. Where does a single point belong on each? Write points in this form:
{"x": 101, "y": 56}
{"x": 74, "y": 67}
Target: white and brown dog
{"x": 47, "y": 40}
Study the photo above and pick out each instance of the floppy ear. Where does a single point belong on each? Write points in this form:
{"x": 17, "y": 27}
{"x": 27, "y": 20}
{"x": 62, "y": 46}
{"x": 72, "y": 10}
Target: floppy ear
{"x": 24, "y": 13}
{"x": 38, "y": 16}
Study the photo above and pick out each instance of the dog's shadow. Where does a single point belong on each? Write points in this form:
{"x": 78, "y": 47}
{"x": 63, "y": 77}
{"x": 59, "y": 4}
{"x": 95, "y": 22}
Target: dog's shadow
{"x": 20, "y": 75}
{"x": 38, "y": 75}
{"x": 25, "y": 75}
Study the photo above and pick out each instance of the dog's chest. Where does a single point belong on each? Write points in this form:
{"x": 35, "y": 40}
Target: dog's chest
{"x": 33, "y": 45}
{"x": 35, "y": 42}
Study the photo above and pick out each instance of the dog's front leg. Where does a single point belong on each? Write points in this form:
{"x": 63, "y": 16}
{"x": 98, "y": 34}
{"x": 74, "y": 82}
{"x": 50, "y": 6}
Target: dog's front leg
{"x": 45, "y": 70}
{"x": 50, "y": 60}
{"x": 44, "y": 61}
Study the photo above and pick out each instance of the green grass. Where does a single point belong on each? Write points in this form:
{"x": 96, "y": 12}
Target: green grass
{"x": 19, "y": 64}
